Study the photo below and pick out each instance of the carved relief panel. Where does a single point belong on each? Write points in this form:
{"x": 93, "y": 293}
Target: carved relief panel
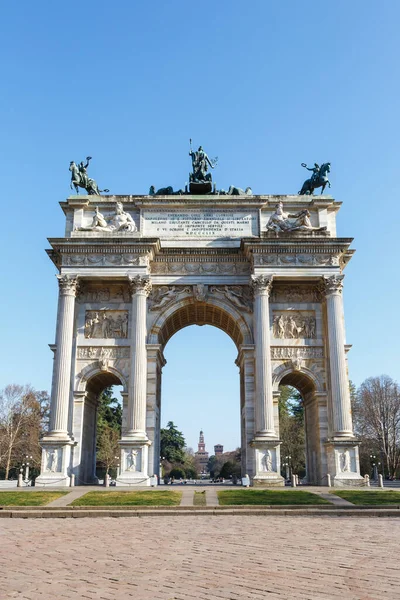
{"x": 296, "y": 293}
{"x": 287, "y": 324}
{"x": 98, "y": 293}
{"x": 53, "y": 460}
{"x": 106, "y": 324}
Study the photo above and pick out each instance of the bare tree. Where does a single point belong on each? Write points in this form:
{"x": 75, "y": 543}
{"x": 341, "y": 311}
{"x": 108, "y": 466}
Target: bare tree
{"x": 20, "y": 425}
{"x": 108, "y": 448}
{"x": 377, "y": 417}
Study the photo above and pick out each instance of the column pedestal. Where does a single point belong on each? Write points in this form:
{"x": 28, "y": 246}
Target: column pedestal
{"x": 267, "y": 464}
{"x": 344, "y": 463}
{"x": 56, "y": 458}
{"x": 134, "y": 463}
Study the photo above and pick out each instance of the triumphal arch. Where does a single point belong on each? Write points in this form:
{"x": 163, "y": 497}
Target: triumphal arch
{"x": 134, "y": 270}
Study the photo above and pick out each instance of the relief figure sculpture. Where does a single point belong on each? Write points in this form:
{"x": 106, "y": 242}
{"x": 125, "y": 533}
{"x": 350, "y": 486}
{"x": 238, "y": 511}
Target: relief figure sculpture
{"x": 345, "y": 461}
{"x": 52, "y": 460}
{"x": 131, "y": 460}
{"x": 267, "y": 461}
{"x": 106, "y": 324}
{"x": 294, "y": 327}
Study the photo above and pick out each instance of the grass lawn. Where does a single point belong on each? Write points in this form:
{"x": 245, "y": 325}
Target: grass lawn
{"x": 360, "y": 497}
{"x": 150, "y": 498}
{"x": 29, "y": 498}
{"x": 199, "y": 499}
{"x": 260, "y": 497}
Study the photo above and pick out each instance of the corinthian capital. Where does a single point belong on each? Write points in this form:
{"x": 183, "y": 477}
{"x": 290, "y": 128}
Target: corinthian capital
{"x": 262, "y": 284}
{"x": 333, "y": 284}
{"x": 140, "y": 285}
{"x": 68, "y": 285}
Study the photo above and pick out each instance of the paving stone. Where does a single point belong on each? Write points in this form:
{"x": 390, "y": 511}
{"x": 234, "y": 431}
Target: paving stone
{"x": 204, "y": 558}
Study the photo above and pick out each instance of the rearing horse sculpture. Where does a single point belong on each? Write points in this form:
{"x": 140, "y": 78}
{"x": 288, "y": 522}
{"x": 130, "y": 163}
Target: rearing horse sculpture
{"x": 80, "y": 178}
{"x": 318, "y": 179}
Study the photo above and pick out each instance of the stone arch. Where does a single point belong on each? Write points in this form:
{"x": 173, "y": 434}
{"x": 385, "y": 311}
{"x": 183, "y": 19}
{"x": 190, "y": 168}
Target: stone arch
{"x": 304, "y": 380}
{"x": 214, "y": 312}
{"x": 314, "y": 397}
{"x": 92, "y": 378}
{"x": 91, "y": 382}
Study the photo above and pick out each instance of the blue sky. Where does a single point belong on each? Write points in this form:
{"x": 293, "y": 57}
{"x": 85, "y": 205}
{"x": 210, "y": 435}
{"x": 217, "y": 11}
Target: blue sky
{"x": 262, "y": 85}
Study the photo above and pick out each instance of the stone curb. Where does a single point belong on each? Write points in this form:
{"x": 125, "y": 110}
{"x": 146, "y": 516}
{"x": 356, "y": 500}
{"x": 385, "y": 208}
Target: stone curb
{"x": 62, "y": 513}
{"x": 219, "y": 508}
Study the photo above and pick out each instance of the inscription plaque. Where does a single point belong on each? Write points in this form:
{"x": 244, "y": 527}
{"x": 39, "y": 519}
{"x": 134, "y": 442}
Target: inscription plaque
{"x": 200, "y": 223}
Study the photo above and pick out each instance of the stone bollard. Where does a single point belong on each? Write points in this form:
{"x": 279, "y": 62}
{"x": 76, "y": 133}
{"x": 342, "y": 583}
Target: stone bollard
{"x": 107, "y": 480}
{"x": 380, "y": 480}
{"x": 367, "y": 481}
{"x": 72, "y": 480}
{"x": 294, "y": 481}
{"x": 328, "y": 477}
{"x": 19, "y": 482}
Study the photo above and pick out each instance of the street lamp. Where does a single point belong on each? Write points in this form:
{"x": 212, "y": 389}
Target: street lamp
{"x": 374, "y": 466}
{"x": 27, "y": 467}
{"x": 287, "y": 465}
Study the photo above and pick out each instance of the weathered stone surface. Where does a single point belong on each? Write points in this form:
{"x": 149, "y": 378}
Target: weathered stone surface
{"x": 136, "y": 269}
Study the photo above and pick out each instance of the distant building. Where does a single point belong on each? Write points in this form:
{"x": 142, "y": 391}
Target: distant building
{"x": 201, "y": 455}
{"x": 218, "y": 449}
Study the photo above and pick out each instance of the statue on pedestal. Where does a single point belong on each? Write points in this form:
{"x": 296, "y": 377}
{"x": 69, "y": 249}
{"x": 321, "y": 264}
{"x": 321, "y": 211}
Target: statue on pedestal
{"x": 200, "y": 182}
{"x": 80, "y": 178}
{"x": 317, "y": 179}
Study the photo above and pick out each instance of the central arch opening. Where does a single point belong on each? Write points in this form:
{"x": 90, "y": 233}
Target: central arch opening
{"x": 201, "y": 388}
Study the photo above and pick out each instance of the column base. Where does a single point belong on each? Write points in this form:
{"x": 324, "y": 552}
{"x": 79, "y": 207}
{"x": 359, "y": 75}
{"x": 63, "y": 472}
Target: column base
{"x": 134, "y": 463}
{"x": 343, "y": 462}
{"x": 267, "y": 462}
{"x": 56, "y": 455}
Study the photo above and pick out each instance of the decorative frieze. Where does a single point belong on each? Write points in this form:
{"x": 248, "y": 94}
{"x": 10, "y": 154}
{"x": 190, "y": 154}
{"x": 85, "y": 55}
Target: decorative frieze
{"x": 200, "y": 268}
{"x": 97, "y": 352}
{"x": 94, "y": 294}
{"x": 292, "y": 352}
{"x": 106, "y": 324}
{"x": 294, "y": 325}
{"x": 308, "y": 260}
{"x": 104, "y": 260}
{"x": 296, "y": 293}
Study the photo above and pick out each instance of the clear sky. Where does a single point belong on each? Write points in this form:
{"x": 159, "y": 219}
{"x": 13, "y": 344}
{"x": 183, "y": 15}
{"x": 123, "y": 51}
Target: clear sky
{"x": 264, "y": 86}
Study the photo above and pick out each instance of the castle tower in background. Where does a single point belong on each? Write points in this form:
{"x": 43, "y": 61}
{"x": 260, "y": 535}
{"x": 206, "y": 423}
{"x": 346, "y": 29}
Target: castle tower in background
{"x": 218, "y": 449}
{"x": 201, "y": 454}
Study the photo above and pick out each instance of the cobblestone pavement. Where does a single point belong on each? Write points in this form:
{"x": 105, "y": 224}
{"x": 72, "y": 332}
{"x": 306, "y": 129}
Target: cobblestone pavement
{"x": 202, "y": 558}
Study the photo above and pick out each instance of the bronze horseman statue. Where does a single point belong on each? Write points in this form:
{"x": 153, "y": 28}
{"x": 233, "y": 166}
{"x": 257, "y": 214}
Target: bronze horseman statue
{"x": 80, "y": 178}
{"x": 318, "y": 178}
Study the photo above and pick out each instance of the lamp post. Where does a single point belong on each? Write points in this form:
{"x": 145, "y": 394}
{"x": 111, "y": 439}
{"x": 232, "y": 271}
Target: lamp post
{"x": 287, "y": 465}
{"x": 117, "y": 464}
{"x": 374, "y": 466}
{"x": 26, "y": 465}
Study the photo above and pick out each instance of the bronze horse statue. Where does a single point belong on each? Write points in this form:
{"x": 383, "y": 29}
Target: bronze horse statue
{"x": 318, "y": 179}
{"x": 80, "y": 178}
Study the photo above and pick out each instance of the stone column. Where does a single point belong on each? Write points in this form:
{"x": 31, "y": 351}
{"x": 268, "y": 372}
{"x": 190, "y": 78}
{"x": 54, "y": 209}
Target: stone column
{"x": 340, "y": 394}
{"x": 62, "y": 363}
{"x": 264, "y": 401}
{"x": 136, "y": 413}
